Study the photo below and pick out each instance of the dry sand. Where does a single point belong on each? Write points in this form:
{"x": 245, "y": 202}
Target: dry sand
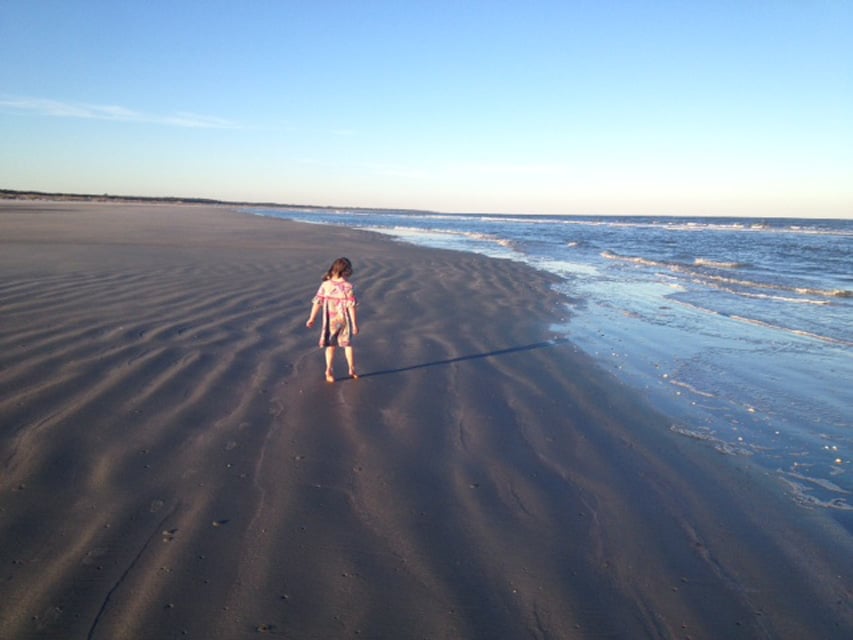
{"x": 175, "y": 466}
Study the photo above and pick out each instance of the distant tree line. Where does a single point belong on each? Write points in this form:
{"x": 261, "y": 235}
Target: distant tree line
{"x": 12, "y": 194}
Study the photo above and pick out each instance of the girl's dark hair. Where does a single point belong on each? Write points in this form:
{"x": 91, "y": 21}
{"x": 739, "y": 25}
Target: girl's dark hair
{"x": 340, "y": 267}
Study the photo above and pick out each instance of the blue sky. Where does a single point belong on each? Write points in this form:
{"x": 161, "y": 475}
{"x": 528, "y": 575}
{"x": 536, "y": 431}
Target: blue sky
{"x": 599, "y": 107}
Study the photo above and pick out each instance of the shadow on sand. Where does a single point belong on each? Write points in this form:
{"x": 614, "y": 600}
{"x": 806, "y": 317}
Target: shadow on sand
{"x": 476, "y": 356}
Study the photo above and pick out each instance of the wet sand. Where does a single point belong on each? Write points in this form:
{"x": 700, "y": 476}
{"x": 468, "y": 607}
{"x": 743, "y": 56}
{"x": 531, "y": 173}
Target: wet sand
{"x": 175, "y": 466}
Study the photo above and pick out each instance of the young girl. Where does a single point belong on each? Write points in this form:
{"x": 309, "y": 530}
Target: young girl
{"x": 335, "y": 297}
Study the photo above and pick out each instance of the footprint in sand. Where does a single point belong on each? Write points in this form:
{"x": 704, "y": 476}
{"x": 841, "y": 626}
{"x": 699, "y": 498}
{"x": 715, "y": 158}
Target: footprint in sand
{"x": 94, "y": 555}
{"x": 276, "y": 409}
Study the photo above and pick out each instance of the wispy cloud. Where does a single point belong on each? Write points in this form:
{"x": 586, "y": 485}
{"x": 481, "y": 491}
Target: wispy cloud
{"x": 533, "y": 169}
{"x": 60, "y": 109}
{"x": 402, "y": 172}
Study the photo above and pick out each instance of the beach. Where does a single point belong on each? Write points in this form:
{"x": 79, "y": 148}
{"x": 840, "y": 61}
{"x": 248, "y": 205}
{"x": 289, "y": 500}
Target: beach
{"x": 176, "y": 466}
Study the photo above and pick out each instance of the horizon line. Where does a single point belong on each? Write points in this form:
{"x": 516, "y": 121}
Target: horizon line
{"x": 30, "y": 194}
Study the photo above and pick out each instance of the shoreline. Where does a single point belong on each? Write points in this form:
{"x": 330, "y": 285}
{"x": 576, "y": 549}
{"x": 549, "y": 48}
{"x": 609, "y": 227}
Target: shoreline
{"x": 167, "y": 431}
{"x": 666, "y": 331}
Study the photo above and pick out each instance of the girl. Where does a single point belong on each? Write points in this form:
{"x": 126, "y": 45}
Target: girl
{"x": 335, "y": 297}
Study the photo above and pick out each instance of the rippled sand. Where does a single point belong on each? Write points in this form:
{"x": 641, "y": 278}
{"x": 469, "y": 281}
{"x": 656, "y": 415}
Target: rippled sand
{"x": 175, "y": 465}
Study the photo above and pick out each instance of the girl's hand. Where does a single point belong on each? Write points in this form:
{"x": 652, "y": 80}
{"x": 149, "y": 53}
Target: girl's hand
{"x": 310, "y": 323}
{"x": 355, "y": 329}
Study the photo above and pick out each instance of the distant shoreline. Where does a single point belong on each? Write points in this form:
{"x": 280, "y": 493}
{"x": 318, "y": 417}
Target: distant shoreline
{"x": 13, "y": 194}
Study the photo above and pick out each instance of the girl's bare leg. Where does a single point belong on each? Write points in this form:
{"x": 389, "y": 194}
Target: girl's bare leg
{"x": 350, "y": 356}
{"x": 330, "y": 358}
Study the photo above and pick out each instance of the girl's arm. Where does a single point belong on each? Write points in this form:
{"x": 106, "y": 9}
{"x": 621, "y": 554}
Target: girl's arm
{"x": 315, "y": 309}
{"x": 354, "y": 320}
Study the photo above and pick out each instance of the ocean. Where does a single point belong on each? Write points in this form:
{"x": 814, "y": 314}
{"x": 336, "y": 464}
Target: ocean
{"x": 739, "y": 330}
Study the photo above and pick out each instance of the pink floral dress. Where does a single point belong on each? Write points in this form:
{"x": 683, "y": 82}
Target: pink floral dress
{"x": 337, "y": 299}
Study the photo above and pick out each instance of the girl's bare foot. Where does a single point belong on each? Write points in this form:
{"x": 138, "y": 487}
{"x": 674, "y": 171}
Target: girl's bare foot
{"x": 353, "y": 374}
{"x": 330, "y": 377}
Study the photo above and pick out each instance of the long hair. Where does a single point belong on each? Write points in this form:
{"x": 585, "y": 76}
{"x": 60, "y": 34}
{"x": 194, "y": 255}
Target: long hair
{"x": 342, "y": 267}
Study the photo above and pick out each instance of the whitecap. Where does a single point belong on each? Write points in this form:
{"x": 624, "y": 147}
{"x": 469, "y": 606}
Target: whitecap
{"x": 706, "y": 262}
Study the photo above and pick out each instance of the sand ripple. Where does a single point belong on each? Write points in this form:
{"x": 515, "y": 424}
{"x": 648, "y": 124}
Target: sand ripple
{"x": 174, "y": 464}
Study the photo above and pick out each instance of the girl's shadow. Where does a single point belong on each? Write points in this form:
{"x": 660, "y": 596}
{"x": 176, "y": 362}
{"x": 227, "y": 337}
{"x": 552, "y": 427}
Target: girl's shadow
{"x": 476, "y": 356}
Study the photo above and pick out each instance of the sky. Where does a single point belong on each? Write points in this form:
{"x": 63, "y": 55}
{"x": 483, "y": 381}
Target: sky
{"x": 732, "y": 108}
